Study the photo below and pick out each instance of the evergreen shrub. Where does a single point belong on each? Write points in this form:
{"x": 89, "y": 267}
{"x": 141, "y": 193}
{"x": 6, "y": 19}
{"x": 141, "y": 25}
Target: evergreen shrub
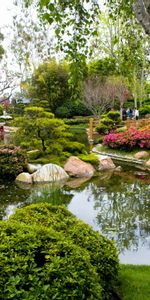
{"x": 145, "y": 110}
{"x": 12, "y": 160}
{"x": 47, "y": 253}
{"x": 108, "y": 122}
{"x": 75, "y": 148}
{"x": 90, "y": 158}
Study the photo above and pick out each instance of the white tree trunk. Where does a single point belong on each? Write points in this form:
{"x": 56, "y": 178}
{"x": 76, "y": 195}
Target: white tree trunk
{"x": 142, "y": 11}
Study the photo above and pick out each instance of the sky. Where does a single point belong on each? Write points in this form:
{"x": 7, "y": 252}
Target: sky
{"x": 5, "y": 12}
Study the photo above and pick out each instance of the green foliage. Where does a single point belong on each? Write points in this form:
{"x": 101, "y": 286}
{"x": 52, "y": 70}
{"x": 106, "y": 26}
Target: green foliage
{"x": 1, "y": 47}
{"x": 77, "y": 121}
{"x": 47, "y": 253}
{"x": 49, "y": 85}
{"x": 76, "y": 20}
{"x": 39, "y": 129}
{"x": 75, "y": 147}
{"x": 72, "y": 108}
{"x": 103, "y": 67}
{"x": 33, "y": 154}
{"x": 1, "y": 110}
{"x": 145, "y": 110}
{"x": 108, "y": 122}
{"x": 103, "y": 129}
{"x": 115, "y": 116}
{"x": 90, "y": 158}
{"x": 12, "y": 161}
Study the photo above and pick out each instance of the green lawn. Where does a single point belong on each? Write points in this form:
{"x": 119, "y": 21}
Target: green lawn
{"x": 134, "y": 282}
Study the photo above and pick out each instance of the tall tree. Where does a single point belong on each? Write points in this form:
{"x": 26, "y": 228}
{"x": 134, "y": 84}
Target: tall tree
{"x": 141, "y": 9}
{"x": 1, "y": 47}
{"x": 31, "y": 40}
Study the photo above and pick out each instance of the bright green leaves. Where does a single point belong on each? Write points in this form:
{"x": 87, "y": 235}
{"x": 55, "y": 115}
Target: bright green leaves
{"x": 1, "y": 47}
{"x": 46, "y": 253}
{"x": 74, "y": 23}
{"x": 39, "y": 129}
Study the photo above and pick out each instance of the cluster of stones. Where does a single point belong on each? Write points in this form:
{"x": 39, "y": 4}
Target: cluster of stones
{"x": 74, "y": 167}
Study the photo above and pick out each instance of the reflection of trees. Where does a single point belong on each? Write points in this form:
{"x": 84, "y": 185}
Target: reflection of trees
{"x": 52, "y": 193}
{"x": 123, "y": 210}
{"x": 11, "y": 196}
{"x": 16, "y": 195}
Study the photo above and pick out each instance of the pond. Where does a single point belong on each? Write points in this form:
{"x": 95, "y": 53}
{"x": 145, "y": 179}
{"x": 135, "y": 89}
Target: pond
{"x": 116, "y": 204}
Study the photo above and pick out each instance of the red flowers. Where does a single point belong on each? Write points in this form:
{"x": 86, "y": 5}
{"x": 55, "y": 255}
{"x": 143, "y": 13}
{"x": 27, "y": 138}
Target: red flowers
{"x": 129, "y": 139}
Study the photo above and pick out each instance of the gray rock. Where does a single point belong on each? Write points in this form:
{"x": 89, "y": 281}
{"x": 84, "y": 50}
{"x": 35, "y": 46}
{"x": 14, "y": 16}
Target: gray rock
{"x": 24, "y": 178}
{"x": 49, "y": 173}
{"x": 33, "y": 167}
{"x": 118, "y": 169}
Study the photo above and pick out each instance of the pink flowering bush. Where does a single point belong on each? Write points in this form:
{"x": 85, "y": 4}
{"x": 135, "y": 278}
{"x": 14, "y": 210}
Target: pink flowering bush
{"x": 129, "y": 139}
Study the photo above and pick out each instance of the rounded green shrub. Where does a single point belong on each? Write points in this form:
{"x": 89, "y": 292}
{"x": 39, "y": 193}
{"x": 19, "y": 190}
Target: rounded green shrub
{"x": 12, "y": 160}
{"x": 33, "y": 154}
{"x": 103, "y": 129}
{"x": 90, "y": 158}
{"x": 75, "y": 147}
{"x": 47, "y": 253}
{"x": 1, "y": 110}
{"x": 145, "y": 110}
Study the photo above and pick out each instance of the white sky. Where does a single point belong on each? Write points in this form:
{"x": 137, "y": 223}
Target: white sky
{"x": 5, "y": 12}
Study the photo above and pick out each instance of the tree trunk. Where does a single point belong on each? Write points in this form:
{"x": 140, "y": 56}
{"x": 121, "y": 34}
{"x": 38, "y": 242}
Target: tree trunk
{"x": 141, "y": 9}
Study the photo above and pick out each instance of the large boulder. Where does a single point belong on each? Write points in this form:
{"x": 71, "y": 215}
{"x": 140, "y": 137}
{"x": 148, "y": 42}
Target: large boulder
{"x": 33, "y": 167}
{"x": 49, "y": 173}
{"x": 105, "y": 163}
{"x": 147, "y": 164}
{"x": 141, "y": 154}
{"x": 24, "y": 178}
{"x": 78, "y": 168}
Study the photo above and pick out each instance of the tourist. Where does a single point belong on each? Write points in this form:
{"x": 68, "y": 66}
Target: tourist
{"x": 124, "y": 114}
{"x": 130, "y": 114}
{"x": 136, "y": 113}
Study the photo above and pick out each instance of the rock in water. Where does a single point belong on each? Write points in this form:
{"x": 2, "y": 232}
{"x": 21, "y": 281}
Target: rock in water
{"x": 78, "y": 168}
{"x": 49, "y": 173}
{"x": 105, "y": 163}
{"x": 24, "y": 178}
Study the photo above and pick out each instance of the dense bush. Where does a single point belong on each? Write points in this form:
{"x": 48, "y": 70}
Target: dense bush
{"x": 90, "y": 158}
{"x": 76, "y": 121}
{"x": 75, "y": 148}
{"x": 129, "y": 139}
{"x": 1, "y": 110}
{"x": 46, "y": 253}
{"x": 12, "y": 160}
{"x": 145, "y": 110}
{"x": 70, "y": 109}
{"x": 115, "y": 116}
{"x": 108, "y": 122}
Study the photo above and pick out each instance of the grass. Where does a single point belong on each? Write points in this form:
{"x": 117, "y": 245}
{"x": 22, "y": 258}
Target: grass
{"x": 134, "y": 282}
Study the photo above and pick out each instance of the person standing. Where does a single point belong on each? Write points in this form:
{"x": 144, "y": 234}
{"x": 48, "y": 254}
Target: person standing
{"x": 130, "y": 114}
{"x": 136, "y": 113}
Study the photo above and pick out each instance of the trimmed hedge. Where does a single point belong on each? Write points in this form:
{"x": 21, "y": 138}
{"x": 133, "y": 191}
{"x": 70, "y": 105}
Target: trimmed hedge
{"x": 145, "y": 110}
{"x": 46, "y": 253}
{"x": 108, "y": 122}
{"x": 12, "y": 160}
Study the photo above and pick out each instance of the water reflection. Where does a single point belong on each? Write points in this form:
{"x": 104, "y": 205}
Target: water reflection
{"x": 116, "y": 204}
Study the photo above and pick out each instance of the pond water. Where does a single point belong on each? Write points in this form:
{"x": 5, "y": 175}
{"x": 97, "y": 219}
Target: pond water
{"x": 116, "y": 204}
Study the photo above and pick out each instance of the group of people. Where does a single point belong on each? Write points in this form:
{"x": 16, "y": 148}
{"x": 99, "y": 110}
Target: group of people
{"x": 130, "y": 114}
